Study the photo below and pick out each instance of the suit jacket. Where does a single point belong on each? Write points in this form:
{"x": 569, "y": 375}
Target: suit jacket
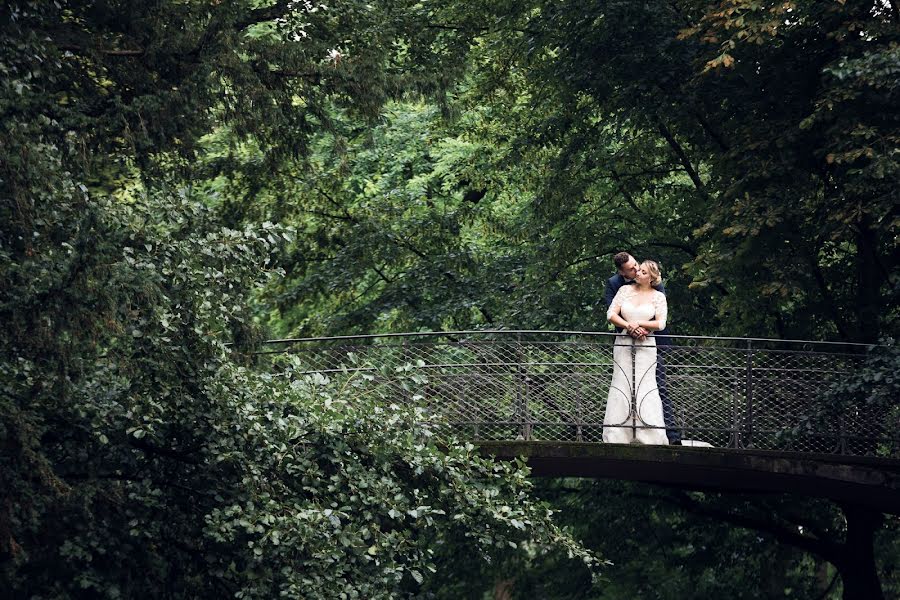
{"x": 612, "y": 287}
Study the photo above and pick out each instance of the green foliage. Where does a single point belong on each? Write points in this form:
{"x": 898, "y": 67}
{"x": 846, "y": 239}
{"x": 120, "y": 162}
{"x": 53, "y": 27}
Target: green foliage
{"x": 875, "y": 385}
{"x": 734, "y": 145}
{"x": 869, "y": 393}
{"x": 137, "y": 453}
{"x": 421, "y": 224}
{"x": 809, "y": 175}
{"x": 140, "y": 452}
{"x": 348, "y": 494}
{"x": 397, "y": 231}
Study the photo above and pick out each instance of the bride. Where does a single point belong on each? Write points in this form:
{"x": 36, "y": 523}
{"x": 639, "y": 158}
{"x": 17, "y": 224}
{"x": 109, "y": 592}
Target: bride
{"x": 639, "y": 310}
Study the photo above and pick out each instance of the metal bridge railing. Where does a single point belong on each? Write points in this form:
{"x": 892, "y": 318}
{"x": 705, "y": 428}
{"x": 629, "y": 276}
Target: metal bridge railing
{"x": 553, "y": 386}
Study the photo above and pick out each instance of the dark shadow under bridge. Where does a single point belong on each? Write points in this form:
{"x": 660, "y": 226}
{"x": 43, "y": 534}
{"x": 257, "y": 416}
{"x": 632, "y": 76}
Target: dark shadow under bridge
{"x": 756, "y": 413}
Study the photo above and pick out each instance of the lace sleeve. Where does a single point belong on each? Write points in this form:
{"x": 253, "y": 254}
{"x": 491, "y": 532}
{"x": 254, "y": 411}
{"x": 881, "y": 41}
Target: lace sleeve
{"x": 616, "y": 305}
{"x": 662, "y": 308}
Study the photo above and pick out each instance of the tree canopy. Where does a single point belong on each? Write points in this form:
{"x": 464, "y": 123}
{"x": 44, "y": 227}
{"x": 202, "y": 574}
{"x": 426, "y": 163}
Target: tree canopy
{"x": 743, "y": 145}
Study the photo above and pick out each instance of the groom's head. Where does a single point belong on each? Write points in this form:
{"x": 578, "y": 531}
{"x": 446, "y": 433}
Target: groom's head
{"x": 626, "y": 265}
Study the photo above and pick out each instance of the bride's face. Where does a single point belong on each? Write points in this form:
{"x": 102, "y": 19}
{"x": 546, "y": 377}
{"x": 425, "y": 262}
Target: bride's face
{"x": 643, "y": 275}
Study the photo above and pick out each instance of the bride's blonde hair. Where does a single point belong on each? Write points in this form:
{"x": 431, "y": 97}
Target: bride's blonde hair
{"x": 653, "y": 269}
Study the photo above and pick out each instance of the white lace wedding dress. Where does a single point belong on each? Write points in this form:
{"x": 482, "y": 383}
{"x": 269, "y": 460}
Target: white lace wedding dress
{"x": 640, "y": 421}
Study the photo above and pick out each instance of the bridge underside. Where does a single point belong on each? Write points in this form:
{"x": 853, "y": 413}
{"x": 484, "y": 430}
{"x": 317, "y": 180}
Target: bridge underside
{"x": 869, "y": 482}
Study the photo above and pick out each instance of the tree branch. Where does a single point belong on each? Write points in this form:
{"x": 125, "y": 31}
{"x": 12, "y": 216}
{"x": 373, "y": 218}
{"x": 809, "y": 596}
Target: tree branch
{"x": 805, "y": 523}
{"x": 448, "y": 274}
{"x": 625, "y": 193}
{"x": 689, "y": 250}
{"x": 130, "y": 478}
{"x": 108, "y": 52}
{"x": 311, "y": 75}
{"x": 180, "y": 456}
{"x": 828, "y": 550}
{"x": 325, "y": 214}
{"x": 710, "y": 131}
{"x": 337, "y": 204}
{"x": 829, "y": 305}
{"x": 682, "y": 156}
{"x": 453, "y": 27}
{"x": 381, "y": 274}
{"x": 827, "y": 592}
{"x": 263, "y": 15}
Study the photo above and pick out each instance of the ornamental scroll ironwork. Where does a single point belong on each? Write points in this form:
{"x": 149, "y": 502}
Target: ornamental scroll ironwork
{"x": 552, "y": 386}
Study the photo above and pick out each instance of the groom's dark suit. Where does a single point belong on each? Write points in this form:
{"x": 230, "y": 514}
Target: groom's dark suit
{"x": 662, "y": 339}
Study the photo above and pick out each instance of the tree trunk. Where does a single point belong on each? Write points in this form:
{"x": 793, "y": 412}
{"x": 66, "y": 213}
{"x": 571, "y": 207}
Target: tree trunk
{"x": 503, "y": 589}
{"x": 868, "y": 282}
{"x": 857, "y": 561}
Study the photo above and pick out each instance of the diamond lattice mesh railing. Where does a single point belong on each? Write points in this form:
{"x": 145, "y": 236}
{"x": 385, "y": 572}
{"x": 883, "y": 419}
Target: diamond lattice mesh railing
{"x": 554, "y": 386}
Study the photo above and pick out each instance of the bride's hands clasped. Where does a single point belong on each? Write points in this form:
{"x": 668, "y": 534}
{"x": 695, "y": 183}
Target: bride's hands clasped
{"x": 636, "y": 331}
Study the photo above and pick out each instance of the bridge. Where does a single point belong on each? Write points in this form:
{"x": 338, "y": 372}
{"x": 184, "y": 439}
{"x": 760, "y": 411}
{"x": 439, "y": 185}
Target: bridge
{"x": 756, "y": 415}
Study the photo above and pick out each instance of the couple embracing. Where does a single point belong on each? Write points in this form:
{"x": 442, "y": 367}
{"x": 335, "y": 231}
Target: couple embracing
{"x": 638, "y": 408}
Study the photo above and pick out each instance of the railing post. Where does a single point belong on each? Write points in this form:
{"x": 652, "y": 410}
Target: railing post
{"x": 736, "y": 437}
{"x": 749, "y": 395}
{"x": 634, "y": 412}
{"x": 579, "y": 434}
{"x": 525, "y": 428}
{"x": 463, "y": 402}
{"x": 842, "y": 432}
{"x": 405, "y": 360}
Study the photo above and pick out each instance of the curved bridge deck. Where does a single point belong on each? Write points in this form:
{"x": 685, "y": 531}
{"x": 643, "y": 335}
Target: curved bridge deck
{"x": 867, "y": 481}
{"x": 763, "y": 407}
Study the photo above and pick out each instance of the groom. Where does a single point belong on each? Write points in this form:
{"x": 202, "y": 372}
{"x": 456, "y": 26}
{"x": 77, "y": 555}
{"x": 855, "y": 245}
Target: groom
{"x": 626, "y": 270}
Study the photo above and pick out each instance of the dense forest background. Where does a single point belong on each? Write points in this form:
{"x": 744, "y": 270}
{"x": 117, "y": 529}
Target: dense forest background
{"x": 181, "y": 180}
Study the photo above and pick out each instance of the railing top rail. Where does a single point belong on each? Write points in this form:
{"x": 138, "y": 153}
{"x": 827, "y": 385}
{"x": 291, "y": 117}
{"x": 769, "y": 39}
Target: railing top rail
{"x": 425, "y": 334}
